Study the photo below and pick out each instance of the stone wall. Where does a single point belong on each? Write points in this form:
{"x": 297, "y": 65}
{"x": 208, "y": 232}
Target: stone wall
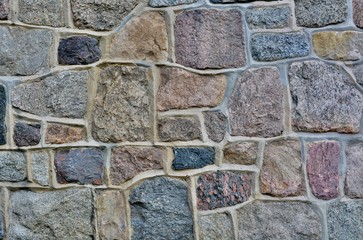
{"x": 181, "y": 119}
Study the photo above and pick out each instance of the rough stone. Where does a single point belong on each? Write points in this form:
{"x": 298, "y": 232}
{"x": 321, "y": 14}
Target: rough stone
{"x": 358, "y": 73}
{"x": 142, "y": 38}
{"x": 242, "y": 153}
{"x": 216, "y": 226}
{"x": 354, "y": 177}
{"x": 2, "y": 115}
{"x": 268, "y": 17}
{"x": 216, "y": 125}
{"x": 4, "y": 9}
{"x": 256, "y": 104}
{"x": 279, "y": 220}
{"x": 168, "y": 3}
{"x": 161, "y": 202}
{"x": 184, "y": 128}
{"x": 222, "y": 189}
{"x": 278, "y": 46}
{"x": 26, "y": 134}
{"x": 123, "y": 104}
{"x": 58, "y": 134}
{"x": 61, "y": 95}
{"x": 210, "y": 38}
{"x": 62, "y": 214}
{"x": 281, "y": 173}
{"x": 2, "y": 218}
{"x": 192, "y": 158}
{"x": 100, "y": 15}
{"x": 324, "y": 98}
{"x": 312, "y": 13}
{"x": 40, "y": 167}
{"x": 357, "y": 13}
{"x": 180, "y": 89}
{"x": 79, "y": 165}
{"x": 345, "y": 220}
{"x": 235, "y": 1}
{"x": 24, "y": 51}
{"x": 78, "y": 50}
{"x": 127, "y": 162}
{"x": 12, "y": 166}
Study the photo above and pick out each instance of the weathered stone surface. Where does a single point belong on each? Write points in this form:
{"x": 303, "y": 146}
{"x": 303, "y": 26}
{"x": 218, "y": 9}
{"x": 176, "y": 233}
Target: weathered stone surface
{"x": 49, "y": 13}
{"x": 58, "y": 134}
{"x": 168, "y": 3}
{"x": 354, "y": 177}
{"x": 24, "y": 51}
{"x": 40, "y": 167}
{"x": 2, "y": 219}
{"x": 142, "y": 38}
{"x": 324, "y": 98}
{"x": 216, "y": 125}
{"x": 2, "y": 115}
{"x": 216, "y": 227}
{"x": 61, "y": 95}
{"x": 281, "y": 173}
{"x": 192, "y": 158}
{"x": 345, "y": 220}
{"x": 358, "y": 73}
{"x": 256, "y": 104}
{"x": 210, "y": 38}
{"x": 122, "y": 105}
{"x": 268, "y": 17}
{"x": 63, "y": 214}
{"x": 279, "y": 220}
{"x": 222, "y": 189}
{"x": 26, "y": 134}
{"x": 277, "y": 46}
{"x": 12, "y": 166}
{"x": 111, "y": 215}
{"x": 357, "y": 13}
{"x": 180, "y": 89}
{"x": 127, "y": 162}
{"x": 79, "y": 165}
{"x": 184, "y": 128}
{"x": 235, "y": 1}
{"x": 78, "y": 50}
{"x": 312, "y": 13}
{"x": 242, "y": 153}
{"x": 100, "y": 15}
{"x": 4, "y": 9}
{"x": 160, "y": 210}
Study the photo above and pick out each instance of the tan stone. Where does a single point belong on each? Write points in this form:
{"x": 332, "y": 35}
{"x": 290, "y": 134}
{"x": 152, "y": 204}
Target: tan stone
{"x": 58, "y": 134}
{"x": 243, "y": 153}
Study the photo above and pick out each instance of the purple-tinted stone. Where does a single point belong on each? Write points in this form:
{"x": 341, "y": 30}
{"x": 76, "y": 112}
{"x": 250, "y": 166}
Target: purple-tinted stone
{"x": 26, "y": 134}
{"x": 2, "y": 115}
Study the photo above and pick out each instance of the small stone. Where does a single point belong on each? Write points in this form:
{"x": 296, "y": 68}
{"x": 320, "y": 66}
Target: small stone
{"x": 192, "y": 158}
{"x": 312, "y": 13}
{"x": 256, "y": 104}
{"x": 79, "y": 165}
{"x": 357, "y": 13}
{"x": 127, "y": 162}
{"x": 2, "y": 219}
{"x": 143, "y": 38}
{"x": 354, "y": 177}
{"x": 279, "y": 220}
{"x": 40, "y": 167}
{"x": 26, "y": 134}
{"x": 216, "y": 125}
{"x": 185, "y": 128}
{"x": 168, "y": 3}
{"x": 58, "y": 134}
{"x": 12, "y": 166}
{"x": 223, "y": 189}
{"x": 210, "y": 38}
{"x": 123, "y": 104}
{"x": 2, "y": 115}
{"x": 281, "y": 173}
{"x": 160, "y": 210}
{"x": 4, "y": 9}
{"x": 61, "y": 214}
{"x": 268, "y": 17}
{"x": 216, "y": 226}
{"x": 181, "y": 89}
{"x": 242, "y": 153}
{"x": 324, "y": 98}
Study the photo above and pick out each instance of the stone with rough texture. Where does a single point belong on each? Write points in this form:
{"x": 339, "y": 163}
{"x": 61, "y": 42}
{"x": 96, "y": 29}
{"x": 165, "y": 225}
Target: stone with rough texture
{"x": 184, "y": 128}
{"x": 216, "y": 125}
{"x": 59, "y": 133}
{"x": 345, "y": 220}
{"x": 160, "y": 210}
{"x": 358, "y": 73}
{"x": 127, "y": 162}
{"x": 40, "y": 167}
{"x": 281, "y": 174}
{"x": 2, "y": 217}
{"x": 61, "y": 95}
{"x": 256, "y": 104}
{"x": 357, "y": 13}
{"x": 242, "y": 153}
{"x": 79, "y": 165}
{"x": 279, "y": 220}
{"x": 235, "y": 1}
{"x": 324, "y": 98}
{"x": 2, "y": 115}
{"x": 354, "y": 177}
{"x": 168, "y": 3}
{"x": 142, "y": 38}
{"x": 12, "y": 166}
{"x": 312, "y": 13}
{"x": 223, "y": 189}
{"x": 210, "y": 38}
{"x": 192, "y": 158}
{"x": 216, "y": 226}
{"x": 123, "y": 104}
{"x": 4, "y": 9}
{"x": 181, "y": 89}
{"x": 62, "y": 214}
{"x": 268, "y": 17}
{"x": 26, "y": 134}
{"x": 24, "y": 51}
{"x": 278, "y": 46}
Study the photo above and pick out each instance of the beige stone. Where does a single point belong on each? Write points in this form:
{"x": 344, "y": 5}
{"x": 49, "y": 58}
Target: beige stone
{"x": 58, "y": 134}
{"x": 243, "y": 153}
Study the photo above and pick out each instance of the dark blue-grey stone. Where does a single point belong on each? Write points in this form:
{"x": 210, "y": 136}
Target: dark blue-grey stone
{"x": 160, "y": 210}
{"x": 192, "y": 158}
{"x": 2, "y": 115}
{"x": 277, "y": 46}
{"x": 26, "y": 134}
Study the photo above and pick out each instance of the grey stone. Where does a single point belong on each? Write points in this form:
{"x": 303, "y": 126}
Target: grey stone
{"x": 216, "y": 125}
{"x": 216, "y": 226}
{"x": 168, "y": 3}
{"x": 191, "y": 158}
{"x": 184, "y": 128}
{"x": 61, "y": 95}
{"x": 62, "y": 214}
{"x": 4, "y": 9}
{"x": 2, "y": 115}
{"x": 268, "y": 17}
{"x": 160, "y": 210}
{"x": 358, "y": 73}
{"x": 26, "y": 134}
{"x": 2, "y": 219}
{"x": 324, "y": 98}
{"x": 12, "y": 166}
{"x": 40, "y": 167}
{"x": 237, "y": 1}
{"x": 24, "y": 51}
{"x": 243, "y": 153}
{"x": 277, "y": 46}
{"x": 354, "y": 176}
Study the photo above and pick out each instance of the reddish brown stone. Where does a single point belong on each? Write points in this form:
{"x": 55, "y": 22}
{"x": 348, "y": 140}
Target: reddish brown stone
{"x": 358, "y": 13}
{"x": 58, "y": 134}
{"x": 354, "y": 178}
{"x": 243, "y": 153}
